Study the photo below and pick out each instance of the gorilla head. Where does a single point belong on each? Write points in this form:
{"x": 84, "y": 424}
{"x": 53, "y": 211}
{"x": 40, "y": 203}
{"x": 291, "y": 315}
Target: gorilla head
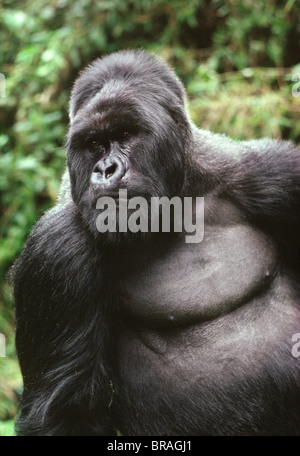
{"x": 129, "y": 130}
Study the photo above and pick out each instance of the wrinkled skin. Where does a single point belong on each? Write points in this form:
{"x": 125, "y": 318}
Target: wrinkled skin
{"x": 147, "y": 334}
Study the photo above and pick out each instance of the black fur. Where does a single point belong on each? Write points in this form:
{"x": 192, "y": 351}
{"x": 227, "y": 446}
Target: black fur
{"x": 69, "y": 308}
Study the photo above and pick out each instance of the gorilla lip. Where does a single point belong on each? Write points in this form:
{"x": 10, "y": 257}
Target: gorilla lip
{"x": 132, "y": 214}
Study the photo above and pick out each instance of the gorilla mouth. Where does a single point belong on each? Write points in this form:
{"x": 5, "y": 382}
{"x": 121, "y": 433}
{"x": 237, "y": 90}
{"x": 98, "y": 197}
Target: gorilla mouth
{"x": 137, "y": 214}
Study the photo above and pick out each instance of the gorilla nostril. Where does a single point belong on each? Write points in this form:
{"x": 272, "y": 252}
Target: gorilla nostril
{"x": 110, "y": 171}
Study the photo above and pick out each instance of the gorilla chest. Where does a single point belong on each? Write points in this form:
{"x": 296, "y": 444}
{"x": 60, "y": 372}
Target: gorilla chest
{"x": 183, "y": 283}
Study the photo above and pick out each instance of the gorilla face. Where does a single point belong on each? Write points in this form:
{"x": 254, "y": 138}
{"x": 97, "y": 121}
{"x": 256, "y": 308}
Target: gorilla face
{"x": 121, "y": 138}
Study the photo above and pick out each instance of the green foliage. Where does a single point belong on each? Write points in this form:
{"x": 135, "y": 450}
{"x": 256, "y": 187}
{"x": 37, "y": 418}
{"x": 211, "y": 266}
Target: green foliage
{"x": 7, "y": 428}
{"x": 253, "y": 102}
{"x": 10, "y": 387}
{"x": 260, "y": 33}
{"x": 236, "y": 57}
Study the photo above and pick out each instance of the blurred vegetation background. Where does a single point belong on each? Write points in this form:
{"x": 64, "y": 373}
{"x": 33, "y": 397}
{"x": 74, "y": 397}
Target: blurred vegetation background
{"x": 237, "y": 59}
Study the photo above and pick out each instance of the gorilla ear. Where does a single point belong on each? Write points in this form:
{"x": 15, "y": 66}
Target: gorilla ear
{"x": 179, "y": 114}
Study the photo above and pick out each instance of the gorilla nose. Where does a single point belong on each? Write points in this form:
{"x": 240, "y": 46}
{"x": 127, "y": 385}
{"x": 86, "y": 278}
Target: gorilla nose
{"x": 108, "y": 171}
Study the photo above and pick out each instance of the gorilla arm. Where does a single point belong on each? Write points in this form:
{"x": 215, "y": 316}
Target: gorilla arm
{"x": 57, "y": 281}
{"x": 261, "y": 177}
{"x": 265, "y": 184}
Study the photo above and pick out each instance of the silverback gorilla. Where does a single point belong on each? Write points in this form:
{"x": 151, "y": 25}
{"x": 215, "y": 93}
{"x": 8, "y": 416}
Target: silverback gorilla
{"x": 142, "y": 332}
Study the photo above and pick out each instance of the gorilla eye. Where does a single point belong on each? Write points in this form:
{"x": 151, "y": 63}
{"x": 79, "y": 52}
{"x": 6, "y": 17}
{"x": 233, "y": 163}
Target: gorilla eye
{"x": 125, "y": 134}
{"x": 94, "y": 143}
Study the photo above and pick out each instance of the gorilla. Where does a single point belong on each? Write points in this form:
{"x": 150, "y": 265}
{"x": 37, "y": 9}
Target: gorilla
{"x": 143, "y": 333}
